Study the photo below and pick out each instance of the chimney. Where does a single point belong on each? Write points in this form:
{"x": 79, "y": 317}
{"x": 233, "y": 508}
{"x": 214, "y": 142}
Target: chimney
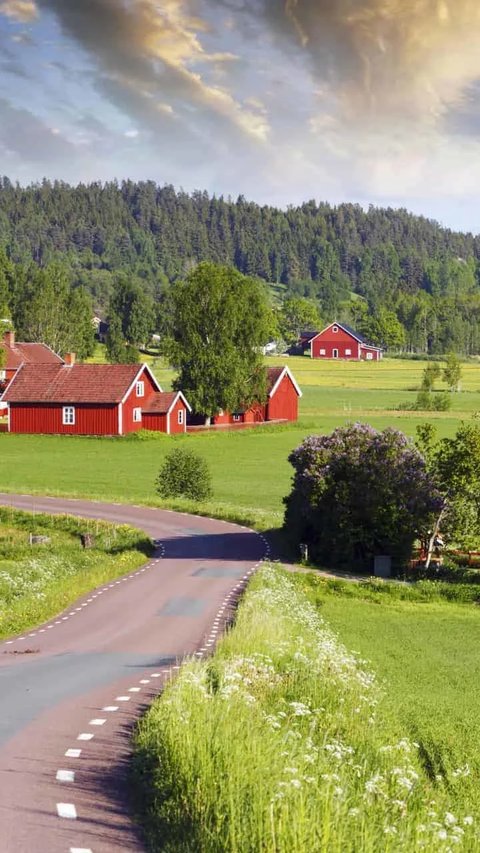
{"x": 9, "y": 339}
{"x": 69, "y": 359}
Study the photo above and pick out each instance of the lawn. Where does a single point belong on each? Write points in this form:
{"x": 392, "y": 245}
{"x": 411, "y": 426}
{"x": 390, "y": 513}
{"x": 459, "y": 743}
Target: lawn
{"x": 426, "y": 655}
{"x": 39, "y": 580}
{"x": 249, "y": 468}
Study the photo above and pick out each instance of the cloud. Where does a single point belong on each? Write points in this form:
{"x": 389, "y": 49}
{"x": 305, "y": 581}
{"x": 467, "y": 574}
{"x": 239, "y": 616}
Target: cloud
{"x": 27, "y": 136}
{"x": 19, "y": 10}
{"x": 156, "y": 49}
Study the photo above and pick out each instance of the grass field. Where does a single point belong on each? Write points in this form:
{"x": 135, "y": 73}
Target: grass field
{"x": 249, "y": 468}
{"x": 426, "y": 655}
{"x": 38, "y": 581}
{"x": 283, "y": 741}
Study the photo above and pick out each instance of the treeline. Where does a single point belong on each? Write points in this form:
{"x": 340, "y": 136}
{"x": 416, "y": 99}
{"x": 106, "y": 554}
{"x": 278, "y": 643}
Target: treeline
{"x": 409, "y": 283}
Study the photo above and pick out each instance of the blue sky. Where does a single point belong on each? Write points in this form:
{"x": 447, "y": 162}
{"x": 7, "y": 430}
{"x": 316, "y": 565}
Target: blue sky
{"x": 371, "y": 101}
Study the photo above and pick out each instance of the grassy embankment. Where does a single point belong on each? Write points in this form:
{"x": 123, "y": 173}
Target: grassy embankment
{"x": 282, "y": 741}
{"x": 249, "y": 468}
{"x": 38, "y": 581}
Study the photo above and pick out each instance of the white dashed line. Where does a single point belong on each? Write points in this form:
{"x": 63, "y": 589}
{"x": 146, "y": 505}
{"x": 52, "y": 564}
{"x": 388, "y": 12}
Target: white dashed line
{"x": 66, "y": 810}
{"x": 85, "y": 736}
{"x": 122, "y": 698}
{"x": 97, "y": 722}
{"x": 65, "y": 776}
{"x": 134, "y": 689}
{"x": 144, "y": 681}
{"x": 110, "y": 708}
{"x": 80, "y": 850}
{"x": 73, "y": 753}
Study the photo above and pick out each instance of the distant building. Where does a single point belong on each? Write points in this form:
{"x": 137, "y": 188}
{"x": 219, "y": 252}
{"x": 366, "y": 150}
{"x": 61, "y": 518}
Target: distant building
{"x": 17, "y": 354}
{"x": 339, "y": 341}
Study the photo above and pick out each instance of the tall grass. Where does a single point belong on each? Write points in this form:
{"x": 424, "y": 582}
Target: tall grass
{"x": 277, "y": 744}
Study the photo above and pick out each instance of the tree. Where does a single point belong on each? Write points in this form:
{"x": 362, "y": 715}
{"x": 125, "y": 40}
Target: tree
{"x": 430, "y": 375}
{"x": 135, "y": 309}
{"x": 358, "y": 493}
{"x": 184, "y": 474}
{"x": 452, "y": 372}
{"x": 220, "y": 321}
{"x": 297, "y": 314}
{"x": 115, "y": 342}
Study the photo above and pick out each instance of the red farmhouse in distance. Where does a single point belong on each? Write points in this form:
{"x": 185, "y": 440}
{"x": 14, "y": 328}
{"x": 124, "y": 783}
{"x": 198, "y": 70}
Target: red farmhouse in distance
{"x": 17, "y": 353}
{"x": 281, "y": 404}
{"x": 91, "y": 399}
{"x": 340, "y": 341}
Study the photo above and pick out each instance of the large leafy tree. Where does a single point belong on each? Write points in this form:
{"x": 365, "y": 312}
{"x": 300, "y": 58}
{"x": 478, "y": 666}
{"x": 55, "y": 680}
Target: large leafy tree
{"x": 220, "y": 321}
{"x": 358, "y": 493}
{"x": 135, "y": 309}
{"x": 298, "y": 314}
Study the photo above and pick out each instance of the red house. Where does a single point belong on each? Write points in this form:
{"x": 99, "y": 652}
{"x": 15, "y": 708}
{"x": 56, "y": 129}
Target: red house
{"x": 17, "y": 353}
{"x": 281, "y": 404}
{"x": 340, "y": 341}
{"x": 90, "y": 399}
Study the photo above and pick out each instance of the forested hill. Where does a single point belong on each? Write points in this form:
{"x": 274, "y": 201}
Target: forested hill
{"x": 427, "y": 275}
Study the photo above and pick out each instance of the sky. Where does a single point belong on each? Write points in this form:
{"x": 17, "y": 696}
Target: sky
{"x": 282, "y": 101}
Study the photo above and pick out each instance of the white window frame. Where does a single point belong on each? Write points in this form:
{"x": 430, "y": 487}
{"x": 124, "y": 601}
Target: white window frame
{"x": 137, "y": 415}
{"x": 323, "y": 352}
{"x": 335, "y": 353}
{"x": 369, "y": 356}
{"x": 348, "y": 352}
{"x": 68, "y": 416}
{"x": 237, "y": 418}
{"x": 3, "y": 375}
{"x": 335, "y": 329}
{"x": 180, "y": 415}
{"x": 140, "y": 388}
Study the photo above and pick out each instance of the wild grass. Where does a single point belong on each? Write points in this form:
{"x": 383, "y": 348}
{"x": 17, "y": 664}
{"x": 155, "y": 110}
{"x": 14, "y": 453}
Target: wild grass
{"x": 280, "y": 743}
{"x": 38, "y": 581}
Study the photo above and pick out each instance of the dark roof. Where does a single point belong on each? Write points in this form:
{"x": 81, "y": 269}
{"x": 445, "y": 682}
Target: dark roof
{"x": 351, "y": 331}
{"x": 26, "y": 353}
{"x": 159, "y": 403}
{"x": 81, "y": 383}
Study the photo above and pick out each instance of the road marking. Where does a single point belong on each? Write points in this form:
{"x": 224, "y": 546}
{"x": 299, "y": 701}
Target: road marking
{"x": 78, "y": 608}
{"x": 85, "y": 736}
{"x": 110, "y": 708}
{"x": 144, "y": 681}
{"x": 65, "y": 776}
{"x": 9, "y": 642}
{"x": 67, "y": 810}
{"x": 122, "y": 698}
{"x": 97, "y": 722}
{"x": 80, "y": 850}
{"x": 73, "y": 753}
{"x": 156, "y": 674}
{"x": 134, "y": 689}
{"x": 64, "y": 619}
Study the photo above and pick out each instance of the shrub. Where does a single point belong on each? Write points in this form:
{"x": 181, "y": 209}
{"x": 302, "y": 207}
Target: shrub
{"x": 184, "y": 474}
{"x": 358, "y": 493}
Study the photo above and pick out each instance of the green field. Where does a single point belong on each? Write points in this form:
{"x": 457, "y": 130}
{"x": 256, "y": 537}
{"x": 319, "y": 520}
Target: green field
{"x": 249, "y": 468}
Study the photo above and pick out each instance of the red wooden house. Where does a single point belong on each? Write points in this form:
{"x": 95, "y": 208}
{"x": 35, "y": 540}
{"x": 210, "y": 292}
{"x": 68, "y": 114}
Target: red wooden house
{"x": 90, "y": 399}
{"x": 17, "y": 353}
{"x": 340, "y": 341}
{"x": 281, "y": 403}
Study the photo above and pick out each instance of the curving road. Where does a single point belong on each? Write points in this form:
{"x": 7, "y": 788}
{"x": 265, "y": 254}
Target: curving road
{"x": 71, "y": 689}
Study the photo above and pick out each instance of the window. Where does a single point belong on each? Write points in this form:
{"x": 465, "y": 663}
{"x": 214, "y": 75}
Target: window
{"x": 137, "y": 415}
{"x": 68, "y": 416}
{"x": 180, "y": 416}
{"x": 236, "y": 417}
{"x": 322, "y": 352}
{"x": 140, "y": 389}
{"x": 348, "y": 352}
{"x": 369, "y": 356}
{"x": 3, "y": 375}
{"x": 335, "y": 329}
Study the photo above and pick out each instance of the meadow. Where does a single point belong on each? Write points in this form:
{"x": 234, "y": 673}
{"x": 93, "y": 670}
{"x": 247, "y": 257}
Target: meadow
{"x": 39, "y": 580}
{"x": 285, "y": 740}
{"x": 249, "y": 468}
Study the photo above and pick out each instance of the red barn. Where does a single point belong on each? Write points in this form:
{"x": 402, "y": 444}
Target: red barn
{"x": 166, "y": 412}
{"x": 87, "y": 399}
{"x": 17, "y": 353}
{"x": 340, "y": 341}
{"x": 281, "y": 404}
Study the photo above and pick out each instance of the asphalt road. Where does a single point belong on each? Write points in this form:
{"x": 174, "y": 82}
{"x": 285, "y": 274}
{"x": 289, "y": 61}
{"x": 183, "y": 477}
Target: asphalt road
{"x": 71, "y": 689}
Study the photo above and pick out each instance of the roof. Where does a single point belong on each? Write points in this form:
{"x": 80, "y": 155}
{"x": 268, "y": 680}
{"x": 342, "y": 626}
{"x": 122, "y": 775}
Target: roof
{"x": 163, "y": 402}
{"x": 81, "y": 383}
{"x": 348, "y": 329}
{"x": 26, "y": 353}
{"x": 275, "y": 376}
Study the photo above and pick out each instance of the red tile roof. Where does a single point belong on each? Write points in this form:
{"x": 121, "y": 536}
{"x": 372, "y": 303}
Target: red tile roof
{"x": 82, "y": 383}
{"x": 159, "y": 403}
{"x": 23, "y": 353}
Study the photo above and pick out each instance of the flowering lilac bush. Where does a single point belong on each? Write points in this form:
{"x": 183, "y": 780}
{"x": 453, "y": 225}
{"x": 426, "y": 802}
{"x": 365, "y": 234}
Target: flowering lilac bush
{"x": 358, "y": 493}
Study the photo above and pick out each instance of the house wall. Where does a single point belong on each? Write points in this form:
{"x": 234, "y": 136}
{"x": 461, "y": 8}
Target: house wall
{"x": 284, "y": 403}
{"x": 133, "y": 402}
{"x": 365, "y": 352}
{"x": 46, "y": 418}
{"x": 340, "y": 341}
{"x": 159, "y": 422}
